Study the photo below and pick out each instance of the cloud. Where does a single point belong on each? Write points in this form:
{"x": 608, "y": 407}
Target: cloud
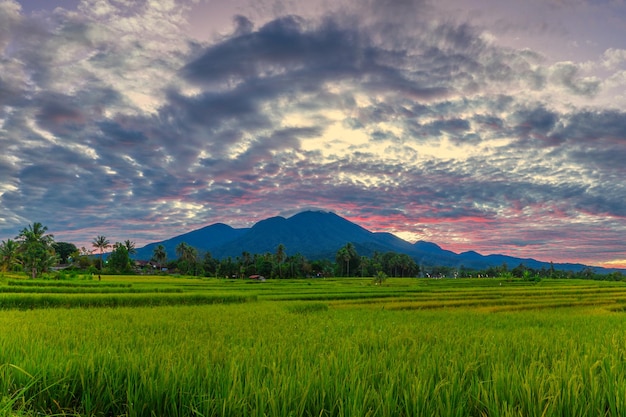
{"x": 614, "y": 58}
{"x": 114, "y": 120}
{"x": 566, "y": 74}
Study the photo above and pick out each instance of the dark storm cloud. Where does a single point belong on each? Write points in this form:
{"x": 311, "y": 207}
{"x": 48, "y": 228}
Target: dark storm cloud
{"x": 282, "y": 45}
{"x": 290, "y": 55}
{"x": 588, "y": 126}
{"x": 589, "y": 138}
{"x": 58, "y": 111}
{"x": 211, "y": 109}
{"x": 119, "y": 138}
{"x": 8, "y": 93}
{"x": 453, "y": 126}
{"x": 536, "y": 124}
{"x": 385, "y": 114}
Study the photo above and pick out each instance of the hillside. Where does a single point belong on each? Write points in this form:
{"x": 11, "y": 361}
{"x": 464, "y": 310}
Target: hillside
{"x": 318, "y": 235}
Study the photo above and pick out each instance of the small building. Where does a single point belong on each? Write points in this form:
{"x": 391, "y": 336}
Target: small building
{"x": 257, "y": 277}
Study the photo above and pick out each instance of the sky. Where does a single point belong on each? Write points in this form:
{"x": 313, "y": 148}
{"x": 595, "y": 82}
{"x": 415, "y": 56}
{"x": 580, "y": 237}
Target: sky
{"x": 490, "y": 125}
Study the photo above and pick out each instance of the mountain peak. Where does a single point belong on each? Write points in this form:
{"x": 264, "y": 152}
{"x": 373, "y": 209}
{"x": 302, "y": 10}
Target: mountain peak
{"x": 318, "y": 234}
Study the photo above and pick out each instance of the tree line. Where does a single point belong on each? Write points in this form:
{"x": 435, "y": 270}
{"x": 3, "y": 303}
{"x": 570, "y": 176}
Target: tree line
{"x": 35, "y": 252}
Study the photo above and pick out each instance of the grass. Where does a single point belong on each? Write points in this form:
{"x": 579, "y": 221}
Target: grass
{"x": 75, "y": 284}
{"x": 321, "y": 348}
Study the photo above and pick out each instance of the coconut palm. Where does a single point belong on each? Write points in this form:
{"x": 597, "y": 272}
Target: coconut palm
{"x": 36, "y": 233}
{"x": 347, "y": 254}
{"x": 280, "y": 258}
{"x": 130, "y": 247}
{"x": 35, "y": 248}
{"x": 188, "y": 257}
{"x": 101, "y": 243}
{"x": 159, "y": 255}
{"x": 9, "y": 252}
{"x": 344, "y": 255}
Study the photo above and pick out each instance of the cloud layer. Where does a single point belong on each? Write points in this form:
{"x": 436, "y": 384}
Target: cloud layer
{"x": 115, "y": 120}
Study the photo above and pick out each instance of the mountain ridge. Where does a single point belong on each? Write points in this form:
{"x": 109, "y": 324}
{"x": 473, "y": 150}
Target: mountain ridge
{"x": 319, "y": 234}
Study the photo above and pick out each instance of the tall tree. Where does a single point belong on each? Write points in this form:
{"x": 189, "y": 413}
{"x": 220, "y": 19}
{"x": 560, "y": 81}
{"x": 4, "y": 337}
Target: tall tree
{"x": 36, "y": 249}
{"x": 64, "y": 250}
{"x": 130, "y": 247}
{"x": 159, "y": 255}
{"x": 119, "y": 260}
{"x": 280, "y": 258}
{"x": 101, "y": 243}
{"x": 9, "y": 252}
{"x": 364, "y": 264}
{"x": 344, "y": 257}
{"x": 210, "y": 265}
{"x": 349, "y": 256}
{"x": 187, "y": 257}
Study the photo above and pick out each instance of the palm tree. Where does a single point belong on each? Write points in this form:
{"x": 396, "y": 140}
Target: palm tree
{"x": 347, "y": 254}
{"x": 36, "y": 248}
{"x": 130, "y": 247}
{"x": 8, "y": 255}
{"x": 36, "y": 233}
{"x": 101, "y": 243}
{"x": 187, "y": 255}
{"x": 280, "y": 257}
{"x": 159, "y": 255}
{"x": 364, "y": 262}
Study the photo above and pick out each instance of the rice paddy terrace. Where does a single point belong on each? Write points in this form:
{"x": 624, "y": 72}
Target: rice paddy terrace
{"x": 142, "y": 346}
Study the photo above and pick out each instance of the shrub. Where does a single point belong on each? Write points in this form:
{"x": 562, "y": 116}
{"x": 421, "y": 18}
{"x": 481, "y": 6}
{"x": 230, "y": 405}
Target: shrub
{"x": 380, "y": 278}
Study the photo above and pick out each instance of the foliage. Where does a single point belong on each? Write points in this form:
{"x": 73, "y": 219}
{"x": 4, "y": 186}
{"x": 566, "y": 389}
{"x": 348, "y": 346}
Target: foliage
{"x": 119, "y": 259}
{"x": 84, "y": 262}
{"x": 35, "y": 249}
{"x": 347, "y": 258}
{"x": 64, "y": 251}
{"x": 9, "y": 258}
{"x": 130, "y": 247}
{"x": 380, "y": 278}
{"x": 210, "y": 265}
{"x": 420, "y": 347}
{"x": 187, "y": 259}
{"x": 280, "y": 257}
{"x": 159, "y": 256}
{"x": 101, "y": 243}
{"x": 38, "y": 258}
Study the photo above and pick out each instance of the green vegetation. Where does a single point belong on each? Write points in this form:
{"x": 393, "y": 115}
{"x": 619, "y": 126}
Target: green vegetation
{"x": 33, "y": 250}
{"x": 323, "y": 347}
{"x": 530, "y": 342}
{"x": 36, "y": 253}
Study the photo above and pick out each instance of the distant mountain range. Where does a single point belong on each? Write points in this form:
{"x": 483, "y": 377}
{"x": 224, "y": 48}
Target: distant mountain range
{"x": 318, "y": 235}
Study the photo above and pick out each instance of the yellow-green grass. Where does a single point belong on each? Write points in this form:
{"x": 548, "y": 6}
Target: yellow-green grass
{"x": 408, "y": 348}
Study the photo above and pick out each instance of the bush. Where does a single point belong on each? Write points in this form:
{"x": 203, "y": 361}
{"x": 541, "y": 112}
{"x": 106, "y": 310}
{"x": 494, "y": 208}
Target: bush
{"x": 380, "y": 278}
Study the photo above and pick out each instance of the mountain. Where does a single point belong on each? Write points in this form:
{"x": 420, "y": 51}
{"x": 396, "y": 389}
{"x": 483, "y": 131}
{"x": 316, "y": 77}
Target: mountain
{"x": 319, "y": 234}
{"x": 206, "y": 239}
{"x": 313, "y": 234}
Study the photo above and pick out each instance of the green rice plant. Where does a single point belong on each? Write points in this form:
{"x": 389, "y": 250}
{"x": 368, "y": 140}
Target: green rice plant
{"x": 85, "y": 290}
{"x": 81, "y": 284}
{"x": 304, "y": 308}
{"x": 285, "y": 357}
{"x": 33, "y": 301}
{"x": 15, "y": 400}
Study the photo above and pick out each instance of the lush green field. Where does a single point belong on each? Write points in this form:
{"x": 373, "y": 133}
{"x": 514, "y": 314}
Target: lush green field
{"x": 161, "y": 346}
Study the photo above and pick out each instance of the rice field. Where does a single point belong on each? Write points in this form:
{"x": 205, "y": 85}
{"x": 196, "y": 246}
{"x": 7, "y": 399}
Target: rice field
{"x": 165, "y": 346}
